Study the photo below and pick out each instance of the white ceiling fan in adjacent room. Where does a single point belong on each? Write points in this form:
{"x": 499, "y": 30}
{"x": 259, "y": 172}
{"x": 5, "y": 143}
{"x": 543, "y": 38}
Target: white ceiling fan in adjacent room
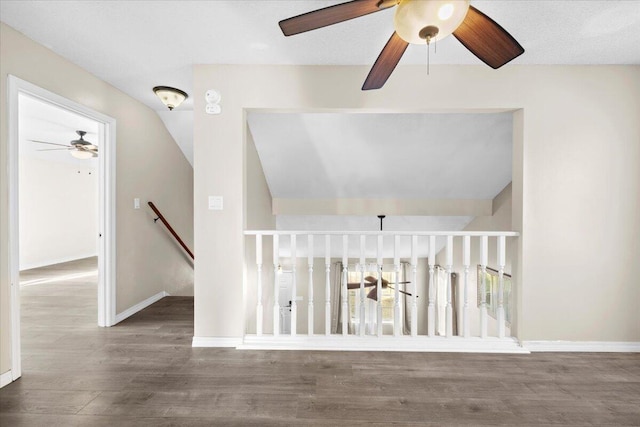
{"x": 78, "y": 148}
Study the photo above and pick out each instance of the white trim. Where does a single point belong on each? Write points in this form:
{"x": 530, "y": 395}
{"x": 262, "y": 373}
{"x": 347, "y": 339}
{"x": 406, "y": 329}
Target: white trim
{"x": 385, "y": 343}
{"x": 216, "y": 341}
{"x": 382, "y": 233}
{"x": 583, "y": 346}
{"x": 106, "y": 210}
{"x": 6, "y": 378}
{"x": 140, "y": 306}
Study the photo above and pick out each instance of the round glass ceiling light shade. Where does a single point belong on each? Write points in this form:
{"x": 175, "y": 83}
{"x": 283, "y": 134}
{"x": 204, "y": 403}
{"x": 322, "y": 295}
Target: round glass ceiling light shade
{"x": 171, "y": 97}
{"x": 81, "y": 154}
{"x": 414, "y": 16}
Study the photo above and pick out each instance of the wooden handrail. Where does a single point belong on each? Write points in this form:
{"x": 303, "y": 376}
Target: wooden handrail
{"x": 171, "y": 230}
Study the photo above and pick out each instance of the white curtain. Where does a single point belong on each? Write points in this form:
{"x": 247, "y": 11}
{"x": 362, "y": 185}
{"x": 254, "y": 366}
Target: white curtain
{"x": 336, "y": 292}
{"x": 440, "y": 277}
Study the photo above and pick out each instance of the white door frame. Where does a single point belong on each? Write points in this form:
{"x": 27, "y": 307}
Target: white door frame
{"x": 106, "y": 207}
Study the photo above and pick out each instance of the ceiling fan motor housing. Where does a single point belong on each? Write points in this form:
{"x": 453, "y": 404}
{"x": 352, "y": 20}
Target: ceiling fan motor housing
{"x": 418, "y": 21}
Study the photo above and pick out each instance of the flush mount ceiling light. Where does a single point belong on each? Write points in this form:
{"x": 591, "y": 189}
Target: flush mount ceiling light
{"x": 170, "y": 96}
{"x": 420, "y": 22}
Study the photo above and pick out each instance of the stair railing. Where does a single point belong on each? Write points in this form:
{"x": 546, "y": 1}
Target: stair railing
{"x": 171, "y": 230}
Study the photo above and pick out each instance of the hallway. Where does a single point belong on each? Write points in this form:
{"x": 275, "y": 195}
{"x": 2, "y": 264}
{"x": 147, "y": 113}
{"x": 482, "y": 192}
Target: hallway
{"x": 144, "y": 372}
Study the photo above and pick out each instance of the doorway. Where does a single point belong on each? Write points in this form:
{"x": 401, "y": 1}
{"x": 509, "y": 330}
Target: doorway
{"x": 284, "y": 301}
{"x": 23, "y": 94}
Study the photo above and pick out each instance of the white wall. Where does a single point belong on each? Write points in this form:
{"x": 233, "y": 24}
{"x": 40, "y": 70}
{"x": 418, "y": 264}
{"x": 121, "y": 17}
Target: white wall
{"x": 576, "y": 175}
{"x": 58, "y": 212}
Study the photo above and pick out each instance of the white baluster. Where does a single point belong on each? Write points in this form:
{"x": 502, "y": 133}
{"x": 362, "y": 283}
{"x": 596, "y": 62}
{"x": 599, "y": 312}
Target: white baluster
{"x": 310, "y": 264}
{"x": 449, "y": 309}
{"x": 466, "y": 260}
{"x": 259, "y": 309}
{"x": 362, "y": 312}
{"x": 327, "y": 284}
{"x": 276, "y": 286}
{"x": 345, "y": 295}
{"x": 414, "y": 291}
{"x": 501, "y": 262}
{"x": 397, "y": 326}
{"x": 484, "y": 250}
{"x": 294, "y": 305}
{"x": 431, "y": 310}
{"x": 379, "y": 289}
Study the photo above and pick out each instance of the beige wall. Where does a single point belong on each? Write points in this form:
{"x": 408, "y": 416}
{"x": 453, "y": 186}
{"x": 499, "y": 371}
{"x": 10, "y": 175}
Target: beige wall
{"x": 576, "y": 171}
{"x": 149, "y": 166}
{"x": 366, "y": 207}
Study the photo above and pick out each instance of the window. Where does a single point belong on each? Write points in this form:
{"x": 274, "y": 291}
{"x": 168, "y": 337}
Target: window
{"x": 491, "y": 293}
{"x": 388, "y": 293}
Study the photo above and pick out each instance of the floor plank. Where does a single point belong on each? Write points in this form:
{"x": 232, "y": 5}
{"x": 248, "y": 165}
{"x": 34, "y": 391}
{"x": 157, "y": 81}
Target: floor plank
{"x": 144, "y": 372}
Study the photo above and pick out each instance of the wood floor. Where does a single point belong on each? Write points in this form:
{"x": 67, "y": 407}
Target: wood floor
{"x": 144, "y": 372}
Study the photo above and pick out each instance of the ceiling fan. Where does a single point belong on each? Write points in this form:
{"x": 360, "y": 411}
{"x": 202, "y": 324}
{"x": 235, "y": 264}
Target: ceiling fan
{"x": 79, "y": 148}
{"x": 370, "y": 281}
{"x": 417, "y": 22}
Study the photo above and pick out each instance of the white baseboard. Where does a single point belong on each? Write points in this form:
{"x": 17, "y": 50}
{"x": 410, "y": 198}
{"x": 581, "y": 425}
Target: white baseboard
{"x": 216, "y": 341}
{"x": 140, "y": 306}
{"x": 583, "y": 346}
{"x": 385, "y": 343}
{"x": 5, "y": 378}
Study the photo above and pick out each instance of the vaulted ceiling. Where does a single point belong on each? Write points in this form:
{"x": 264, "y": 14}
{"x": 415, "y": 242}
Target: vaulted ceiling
{"x": 385, "y": 156}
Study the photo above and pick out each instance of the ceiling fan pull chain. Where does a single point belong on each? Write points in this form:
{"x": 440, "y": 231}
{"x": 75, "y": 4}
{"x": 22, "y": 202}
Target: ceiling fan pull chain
{"x": 428, "y": 49}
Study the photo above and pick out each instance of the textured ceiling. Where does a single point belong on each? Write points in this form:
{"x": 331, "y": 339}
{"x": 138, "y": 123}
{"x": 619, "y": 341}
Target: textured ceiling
{"x": 136, "y": 45}
{"x": 410, "y": 156}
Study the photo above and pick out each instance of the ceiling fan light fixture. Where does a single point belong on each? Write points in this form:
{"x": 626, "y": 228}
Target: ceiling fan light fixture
{"x": 82, "y": 154}
{"x": 171, "y": 97}
{"x": 446, "y": 11}
{"x": 413, "y": 16}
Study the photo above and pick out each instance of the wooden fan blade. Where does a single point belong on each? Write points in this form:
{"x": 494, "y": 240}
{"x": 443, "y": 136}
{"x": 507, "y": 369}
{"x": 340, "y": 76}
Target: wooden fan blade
{"x": 330, "y": 15}
{"x": 45, "y": 142}
{"x": 357, "y": 285}
{"x": 374, "y": 281}
{"x": 56, "y": 149}
{"x": 386, "y": 62}
{"x": 373, "y": 294}
{"x": 487, "y": 40}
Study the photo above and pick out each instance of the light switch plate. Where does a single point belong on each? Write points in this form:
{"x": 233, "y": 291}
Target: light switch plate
{"x": 215, "y": 203}
{"x": 136, "y": 203}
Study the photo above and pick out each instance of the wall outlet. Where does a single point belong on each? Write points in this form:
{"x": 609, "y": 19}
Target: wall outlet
{"x": 136, "y": 203}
